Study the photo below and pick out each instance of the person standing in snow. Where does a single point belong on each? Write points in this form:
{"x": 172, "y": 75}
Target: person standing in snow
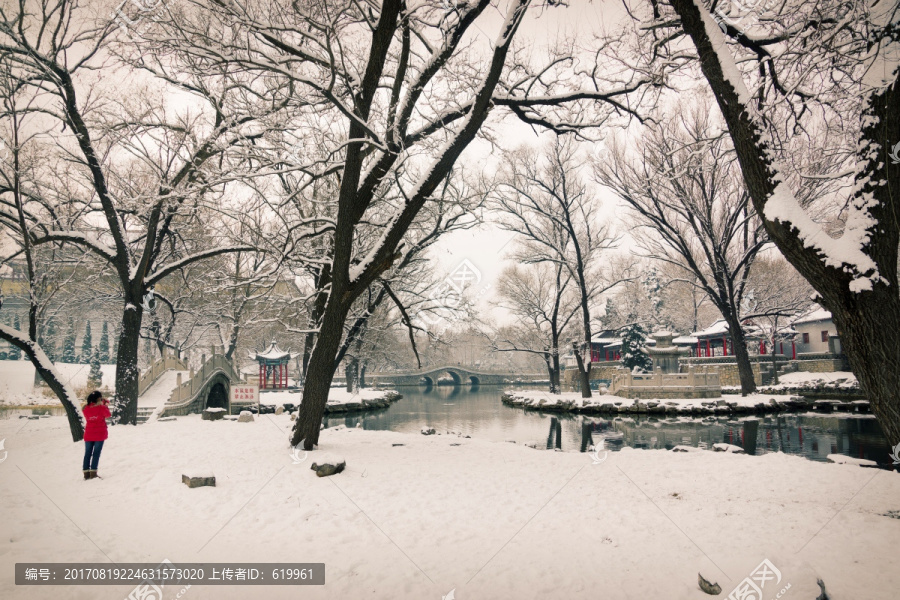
{"x": 96, "y": 411}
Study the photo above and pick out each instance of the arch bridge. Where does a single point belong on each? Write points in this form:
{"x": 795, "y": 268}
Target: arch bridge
{"x": 448, "y": 375}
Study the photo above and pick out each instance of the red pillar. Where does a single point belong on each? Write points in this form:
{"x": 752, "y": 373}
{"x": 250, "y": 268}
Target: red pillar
{"x": 762, "y": 346}
{"x": 699, "y": 349}
{"x": 607, "y": 356}
{"x": 724, "y": 346}
{"x": 262, "y": 376}
{"x": 708, "y": 349}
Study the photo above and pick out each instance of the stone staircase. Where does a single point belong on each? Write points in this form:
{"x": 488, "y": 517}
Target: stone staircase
{"x": 144, "y": 413}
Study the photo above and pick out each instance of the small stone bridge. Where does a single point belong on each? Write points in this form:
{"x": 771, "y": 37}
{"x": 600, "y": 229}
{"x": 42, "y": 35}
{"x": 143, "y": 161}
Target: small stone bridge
{"x": 449, "y": 375}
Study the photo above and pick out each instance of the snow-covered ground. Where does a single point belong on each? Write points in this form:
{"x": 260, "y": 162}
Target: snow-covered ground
{"x": 805, "y": 377}
{"x": 418, "y": 516}
{"x": 17, "y": 381}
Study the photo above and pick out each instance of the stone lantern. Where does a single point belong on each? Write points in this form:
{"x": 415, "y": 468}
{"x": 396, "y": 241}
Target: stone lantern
{"x": 665, "y": 355}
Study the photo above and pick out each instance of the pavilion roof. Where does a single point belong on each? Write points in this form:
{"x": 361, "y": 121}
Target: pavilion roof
{"x": 273, "y": 353}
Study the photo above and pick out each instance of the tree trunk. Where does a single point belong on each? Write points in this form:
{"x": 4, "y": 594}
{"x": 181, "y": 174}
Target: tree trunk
{"x": 745, "y": 370}
{"x": 869, "y": 326}
{"x": 351, "y": 373}
{"x": 362, "y": 375}
{"x": 555, "y": 384}
{"x": 584, "y": 374}
{"x": 127, "y": 374}
{"x": 319, "y": 376}
{"x": 549, "y": 365}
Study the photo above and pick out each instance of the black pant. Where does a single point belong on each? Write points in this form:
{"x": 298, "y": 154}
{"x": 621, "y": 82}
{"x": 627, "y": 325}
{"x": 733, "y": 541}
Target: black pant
{"x": 91, "y": 455}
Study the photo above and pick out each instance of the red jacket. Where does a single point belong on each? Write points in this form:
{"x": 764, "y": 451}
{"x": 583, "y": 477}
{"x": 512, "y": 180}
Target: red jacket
{"x": 95, "y": 429}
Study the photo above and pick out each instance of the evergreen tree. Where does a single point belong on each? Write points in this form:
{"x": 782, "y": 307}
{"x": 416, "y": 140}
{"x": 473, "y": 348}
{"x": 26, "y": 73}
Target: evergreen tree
{"x": 115, "y": 347}
{"x": 15, "y": 353}
{"x": 634, "y": 353}
{"x": 49, "y": 342}
{"x": 95, "y": 375}
{"x": 68, "y": 353}
{"x": 103, "y": 346}
{"x": 87, "y": 345}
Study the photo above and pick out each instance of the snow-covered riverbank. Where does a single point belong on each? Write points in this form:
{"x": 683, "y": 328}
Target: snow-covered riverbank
{"x": 416, "y": 517}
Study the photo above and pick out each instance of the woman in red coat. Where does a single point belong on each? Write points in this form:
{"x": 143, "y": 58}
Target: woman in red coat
{"x": 96, "y": 411}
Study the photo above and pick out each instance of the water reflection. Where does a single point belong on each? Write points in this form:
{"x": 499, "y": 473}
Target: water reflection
{"x": 479, "y": 413}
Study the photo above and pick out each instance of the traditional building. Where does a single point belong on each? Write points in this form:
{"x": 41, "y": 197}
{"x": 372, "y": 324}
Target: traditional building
{"x": 814, "y": 330}
{"x": 273, "y": 366}
{"x": 716, "y": 340}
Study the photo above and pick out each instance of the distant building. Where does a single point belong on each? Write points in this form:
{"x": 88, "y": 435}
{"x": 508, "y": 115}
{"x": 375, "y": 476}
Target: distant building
{"x": 814, "y": 330}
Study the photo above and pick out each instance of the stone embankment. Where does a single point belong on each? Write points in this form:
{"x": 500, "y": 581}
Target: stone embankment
{"x": 612, "y": 405}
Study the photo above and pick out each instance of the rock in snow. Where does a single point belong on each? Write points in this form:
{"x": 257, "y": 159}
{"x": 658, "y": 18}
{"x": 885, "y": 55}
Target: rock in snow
{"x": 713, "y": 589}
{"x": 193, "y": 481}
{"x": 328, "y": 465}
{"x": 428, "y": 431}
{"x": 213, "y": 414}
{"x": 246, "y": 417}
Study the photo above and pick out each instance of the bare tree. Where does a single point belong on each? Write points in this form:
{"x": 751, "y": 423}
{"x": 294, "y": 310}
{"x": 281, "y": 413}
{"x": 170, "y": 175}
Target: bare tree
{"x": 807, "y": 66}
{"x": 398, "y": 110}
{"x": 776, "y": 295}
{"x": 13, "y": 215}
{"x": 132, "y": 209}
{"x": 543, "y": 298}
{"x": 692, "y": 211}
{"x": 545, "y": 201}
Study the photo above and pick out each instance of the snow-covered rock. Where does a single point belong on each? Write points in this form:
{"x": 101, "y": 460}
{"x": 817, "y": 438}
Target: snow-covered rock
{"x": 840, "y": 459}
{"x": 245, "y": 417}
{"x": 213, "y": 414}
{"x": 729, "y": 448}
{"x": 682, "y": 448}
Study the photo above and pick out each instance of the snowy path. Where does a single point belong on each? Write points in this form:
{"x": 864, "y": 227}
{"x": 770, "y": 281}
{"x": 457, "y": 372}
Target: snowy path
{"x": 162, "y": 389}
{"x": 416, "y": 517}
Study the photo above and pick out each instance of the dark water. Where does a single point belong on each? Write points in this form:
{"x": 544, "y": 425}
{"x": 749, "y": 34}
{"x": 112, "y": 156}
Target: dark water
{"x": 480, "y": 414}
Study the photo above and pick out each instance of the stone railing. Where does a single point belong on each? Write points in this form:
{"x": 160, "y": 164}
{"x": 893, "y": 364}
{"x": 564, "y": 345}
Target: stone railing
{"x": 159, "y": 367}
{"x": 693, "y": 384}
{"x": 186, "y": 392}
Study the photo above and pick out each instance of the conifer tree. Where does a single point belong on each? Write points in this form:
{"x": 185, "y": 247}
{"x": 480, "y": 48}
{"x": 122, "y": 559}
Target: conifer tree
{"x": 95, "y": 376}
{"x": 103, "y": 345}
{"x": 68, "y": 353}
{"x": 87, "y": 344}
{"x": 634, "y": 353}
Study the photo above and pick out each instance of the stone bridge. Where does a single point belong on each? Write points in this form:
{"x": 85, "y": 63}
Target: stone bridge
{"x": 207, "y": 388}
{"x": 449, "y": 375}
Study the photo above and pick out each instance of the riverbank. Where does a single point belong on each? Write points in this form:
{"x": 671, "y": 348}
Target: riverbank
{"x": 339, "y": 400}
{"x": 608, "y": 404}
{"x": 417, "y": 516}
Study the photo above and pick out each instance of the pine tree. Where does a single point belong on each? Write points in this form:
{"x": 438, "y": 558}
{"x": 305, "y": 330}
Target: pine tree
{"x": 48, "y": 342}
{"x": 68, "y": 353}
{"x": 95, "y": 375}
{"x": 103, "y": 346}
{"x": 634, "y": 353}
{"x": 87, "y": 345}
